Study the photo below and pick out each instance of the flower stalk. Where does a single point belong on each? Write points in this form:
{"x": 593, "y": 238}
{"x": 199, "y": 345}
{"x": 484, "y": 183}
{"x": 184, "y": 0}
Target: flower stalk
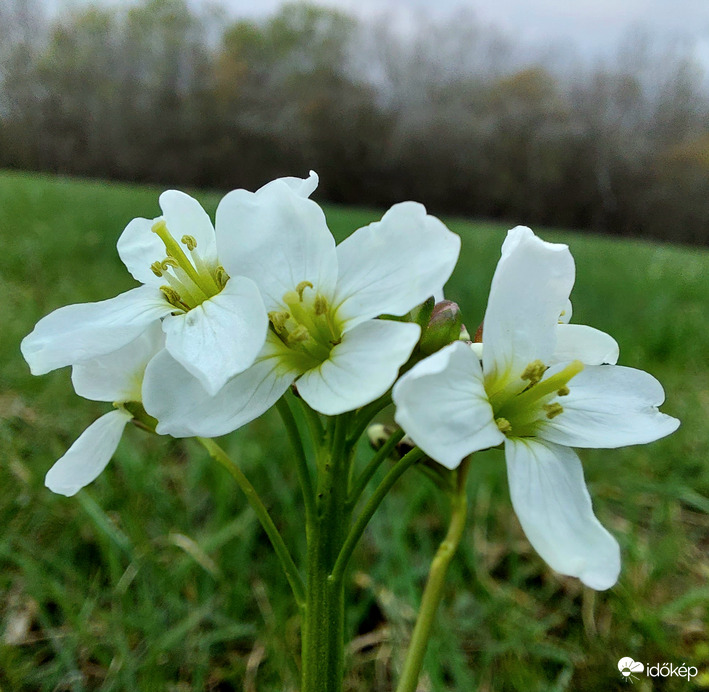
{"x": 433, "y": 592}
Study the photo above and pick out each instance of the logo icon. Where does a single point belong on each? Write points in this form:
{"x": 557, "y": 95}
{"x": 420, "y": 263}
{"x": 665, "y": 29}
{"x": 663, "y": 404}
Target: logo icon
{"x": 628, "y": 667}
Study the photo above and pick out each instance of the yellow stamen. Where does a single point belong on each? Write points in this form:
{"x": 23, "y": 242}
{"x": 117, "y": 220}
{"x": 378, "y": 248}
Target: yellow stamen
{"x": 173, "y": 297}
{"x": 553, "y": 410}
{"x": 175, "y": 252}
{"x": 534, "y": 393}
{"x": 221, "y": 276}
{"x": 301, "y": 287}
{"x": 503, "y": 425}
{"x": 534, "y": 372}
{"x": 189, "y": 241}
{"x": 320, "y": 306}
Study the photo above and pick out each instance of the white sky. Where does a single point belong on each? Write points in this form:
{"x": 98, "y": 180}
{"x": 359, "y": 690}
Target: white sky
{"x": 590, "y": 27}
{"x": 586, "y": 27}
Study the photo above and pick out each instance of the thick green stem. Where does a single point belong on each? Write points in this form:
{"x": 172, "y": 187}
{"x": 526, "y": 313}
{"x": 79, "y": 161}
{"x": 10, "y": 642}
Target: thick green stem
{"x": 434, "y": 586}
{"x": 323, "y": 636}
{"x": 289, "y": 567}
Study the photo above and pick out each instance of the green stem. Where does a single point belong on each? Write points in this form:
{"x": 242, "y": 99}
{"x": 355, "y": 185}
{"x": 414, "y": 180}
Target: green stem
{"x": 371, "y": 468}
{"x": 301, "y": 462}
{"x": 368, "y": 511}
{"x": 291, "y": 571}
{"x": 434, "y": 586}
{"x": 323, "y": 638}
{"x": 317, "y": 432}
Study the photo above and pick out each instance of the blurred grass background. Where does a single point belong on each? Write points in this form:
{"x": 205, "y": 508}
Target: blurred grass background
{"x": 158, "y": 576}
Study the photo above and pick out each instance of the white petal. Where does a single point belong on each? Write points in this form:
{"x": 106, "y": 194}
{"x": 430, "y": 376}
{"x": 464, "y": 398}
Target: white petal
{"x": 184, "y": 409}
{"x": 222, "y": 336}
{"x": 393, "y": 265}
{"x": 566, "y": 313}
{"x": 590, "y": 346}
{"x": 529, "y": 291}
{"x": 442, "y": 405}
{"x": 277, "y": 238}
{"x": 76, "y": 333}
{"x": 554, "y": 508}
{"x": 88, "y": 456}
{"x": 610, "y": 406}
{"x": 361, "y": 368}
{"x": 184, "y": 216}
{"x": 303, "y": 187}
{"x": 138, "y": 247}
{"x": 118, "y": 376}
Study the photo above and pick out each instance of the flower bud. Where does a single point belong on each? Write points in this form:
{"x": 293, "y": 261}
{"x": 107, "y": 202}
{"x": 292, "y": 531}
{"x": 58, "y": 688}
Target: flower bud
{"x": 444, "y": 327}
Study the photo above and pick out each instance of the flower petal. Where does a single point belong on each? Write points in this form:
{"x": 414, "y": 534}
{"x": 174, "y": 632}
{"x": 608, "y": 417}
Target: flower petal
{"x": 529, "y": 291}
{"x": 278, "y": 238}
{"x": 441, "y": 404}
{"x": 184, "y": 216}
{"x": 222, "y": 336}
{"x": 580, "y": 342}
{"x": 610, "y": 406}
{"x": 303, "y": 187}
{"x": 361, "y": 368}
{"x": 118, "y": 376}
{"x": 89, "y": 455}
{"x": 184, "y": 409}
{"x": 80, "y": 332}
{"x": 138, "y": 247}
{"x": 554, "y": 508}
{"x": 393, "y": 265}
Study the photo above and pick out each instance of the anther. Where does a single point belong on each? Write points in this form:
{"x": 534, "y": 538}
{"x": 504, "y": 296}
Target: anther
{"x": 553, "y": 410}
{"x": 320, "y": 305}
{"x": 503, "y": 425}
{"x": 534, "y": 371}
{"x": 301, "y": 287}
{"x": 169, "y": 262}
{"x": 173, "y": 297}
{"x": 190, "y": 241}
{"x": 564, "y": 391}
{"x": 157, "y": 268}
{"x": 299, "y": 334}
{"x": 278, "y": 319}
{"x": 221, "y": 276}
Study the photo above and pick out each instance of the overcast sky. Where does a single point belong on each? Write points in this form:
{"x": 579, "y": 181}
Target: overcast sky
{"x": 591, "y": 27}
{"x": 588, "y": 27}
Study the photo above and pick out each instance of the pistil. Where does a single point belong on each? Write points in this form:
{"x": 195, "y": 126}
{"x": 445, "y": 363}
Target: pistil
{"x": 202, "y": 279}
{"x": 556, "y": 384}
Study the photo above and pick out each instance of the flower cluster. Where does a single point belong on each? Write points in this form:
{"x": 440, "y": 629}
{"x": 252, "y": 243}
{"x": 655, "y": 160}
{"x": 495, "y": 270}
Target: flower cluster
{"x": 231, "y": 315}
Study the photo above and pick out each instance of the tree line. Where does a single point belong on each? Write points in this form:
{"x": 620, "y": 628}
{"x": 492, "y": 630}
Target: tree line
{"x": 450, "y": 114}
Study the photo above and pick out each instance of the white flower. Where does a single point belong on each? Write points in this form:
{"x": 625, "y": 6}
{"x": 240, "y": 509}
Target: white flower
{"x": 541, "y": 389}
{"x": 114, "y": 378}
{"x": 322, "y": 302}
{"x": 215, "y": 325}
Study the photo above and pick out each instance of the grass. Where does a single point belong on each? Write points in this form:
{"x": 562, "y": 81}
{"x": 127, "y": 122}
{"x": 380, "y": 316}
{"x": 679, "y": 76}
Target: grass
{"x": 158, "y": 576}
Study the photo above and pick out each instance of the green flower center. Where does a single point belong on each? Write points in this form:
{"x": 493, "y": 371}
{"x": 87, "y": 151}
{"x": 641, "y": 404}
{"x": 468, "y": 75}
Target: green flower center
{"x": 306, "y": 325}
{"x": 522, "y": 405}
{"x": 190, "y": 281}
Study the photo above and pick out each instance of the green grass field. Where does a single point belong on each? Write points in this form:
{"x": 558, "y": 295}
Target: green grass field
{"x": 158, "y": 576}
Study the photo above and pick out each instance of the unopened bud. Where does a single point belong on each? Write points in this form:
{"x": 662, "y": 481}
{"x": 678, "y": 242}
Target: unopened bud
{"x": 378, "y": 434}
{"x": 421, "y": 314}
{"x": 443, "y": 328}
